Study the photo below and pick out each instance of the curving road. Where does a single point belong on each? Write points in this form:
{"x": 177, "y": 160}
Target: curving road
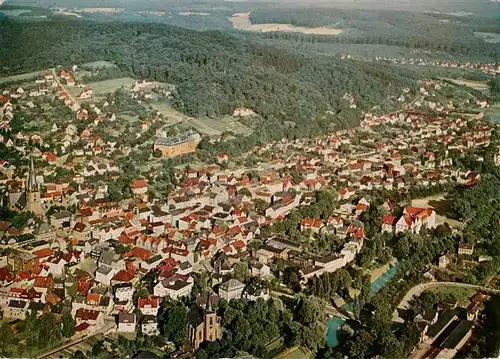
{"x": 418, "y": 289}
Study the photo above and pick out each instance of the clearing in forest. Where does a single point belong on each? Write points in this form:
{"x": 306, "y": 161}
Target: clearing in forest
{"x": 241, "y": 21}
{"x": 98, "y": 65}
{"x": 109, "y": 86}
{"x": 215, "y": 127}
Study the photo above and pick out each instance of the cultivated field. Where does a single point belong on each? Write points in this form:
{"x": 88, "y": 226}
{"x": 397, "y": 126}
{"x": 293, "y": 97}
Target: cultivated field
{"x": 441, "y": 205}
{"x": 215, "y": 127}
{"x": 241, "y": 21}
{"x": 481, "y": 86}
{"x": 107, "y": 86}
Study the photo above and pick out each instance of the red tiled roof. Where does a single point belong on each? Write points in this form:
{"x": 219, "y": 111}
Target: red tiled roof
{"x": 82, "y": 327}
{"x": 5, "y": 275}
{"x": 86, "y": 314}
{"x": 123, "y": 276}
{"x": 389, "y": 220}
{"x": 311, "y": 222}
{"x": 238, "y": 244}
{"x": 43, "y": 282}
{"x": 42, "y": 253}
{"x": 149, "y": 302}
{"x": 138, "y": 252}
{"x": 139, "y": 183}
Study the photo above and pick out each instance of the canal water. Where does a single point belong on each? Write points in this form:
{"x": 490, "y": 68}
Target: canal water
{"x": 335, "y": 323}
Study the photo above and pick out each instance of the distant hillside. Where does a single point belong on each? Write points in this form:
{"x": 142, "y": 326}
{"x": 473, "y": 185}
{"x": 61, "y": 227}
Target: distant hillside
{"x": 214, "y": 72}
{"x": 452, "y": 32}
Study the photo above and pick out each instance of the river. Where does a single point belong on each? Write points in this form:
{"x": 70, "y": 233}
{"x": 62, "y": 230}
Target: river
{"x": 335, "y": 323}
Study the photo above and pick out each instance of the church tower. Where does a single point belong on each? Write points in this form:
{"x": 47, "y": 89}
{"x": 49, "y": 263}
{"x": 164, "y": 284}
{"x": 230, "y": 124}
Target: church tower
{"x": 33, "y": 202}
{"x": 211, "y": 322}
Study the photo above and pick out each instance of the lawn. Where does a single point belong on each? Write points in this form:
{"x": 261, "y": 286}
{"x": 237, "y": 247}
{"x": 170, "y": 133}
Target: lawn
{"x": 462, "y": 294}
{"x": 109, "y": 86}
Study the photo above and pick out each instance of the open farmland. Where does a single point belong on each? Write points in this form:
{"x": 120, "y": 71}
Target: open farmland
{"x": 241, "y": 21}
{"x": 21, "y": 77}
{"x": 481, "y": 86}
{"x": 215, "y": 127}
{"x": 107, "y": 86}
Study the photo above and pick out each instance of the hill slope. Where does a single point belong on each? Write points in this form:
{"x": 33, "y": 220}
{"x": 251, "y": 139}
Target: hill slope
{"x": 214, "y": 72}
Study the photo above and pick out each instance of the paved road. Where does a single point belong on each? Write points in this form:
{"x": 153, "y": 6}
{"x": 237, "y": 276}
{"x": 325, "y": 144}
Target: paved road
{"x": 56, "y": 79}
{"x": 418, "y": 289}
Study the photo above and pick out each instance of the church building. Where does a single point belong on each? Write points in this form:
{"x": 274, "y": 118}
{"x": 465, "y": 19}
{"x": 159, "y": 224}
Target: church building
{"x": 203, "y": 324}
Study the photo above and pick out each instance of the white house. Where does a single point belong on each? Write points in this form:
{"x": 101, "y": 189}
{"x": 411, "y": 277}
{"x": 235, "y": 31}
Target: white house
{"x": 231, "y": 289}
{"x": 126, "y": 323}
{"x": 149, "y": 325}
{"x": 173, "y": 287}
{"x": 149, "y": 306}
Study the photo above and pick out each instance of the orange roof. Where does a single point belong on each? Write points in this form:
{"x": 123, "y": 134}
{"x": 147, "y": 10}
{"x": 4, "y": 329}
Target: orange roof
{"x": 238, "y": 244}
{"x": 139, "y": 183}
{"x": 43, "y": 282}
{"x": 386, "y": 219}
{"x": 361, "y": 207}
{"x": 42, "y": 253}
{"x": 138, "y": 252}
{"x": 311, "y": 222}
{"x": 93, "y": 297}
{"x": 123, "y": 276}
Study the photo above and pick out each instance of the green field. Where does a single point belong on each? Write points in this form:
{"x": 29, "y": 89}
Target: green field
{"x": 21, "y": 77}
{"x": 98, "y": 65}
{"x": 215, "y": 127}
{"x": 108, "y": 86}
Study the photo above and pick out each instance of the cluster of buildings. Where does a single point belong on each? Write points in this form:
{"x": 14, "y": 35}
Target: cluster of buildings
{"x": 86, "y": 258}
{"x": 489, "y": 68}
{"x": 447, "y": 328}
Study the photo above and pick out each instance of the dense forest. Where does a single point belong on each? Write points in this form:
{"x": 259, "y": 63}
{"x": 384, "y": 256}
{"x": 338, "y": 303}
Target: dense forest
{"x": 443, "y": 32}
{"x": 214, "y": 72}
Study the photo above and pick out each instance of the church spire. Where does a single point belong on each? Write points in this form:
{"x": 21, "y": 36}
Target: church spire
{"x": 32, "y": 183}
{"x": 209, "y": 303}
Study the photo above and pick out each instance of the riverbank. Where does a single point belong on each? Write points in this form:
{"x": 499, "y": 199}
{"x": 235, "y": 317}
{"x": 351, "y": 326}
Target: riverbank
{"x": 335, "y": 323}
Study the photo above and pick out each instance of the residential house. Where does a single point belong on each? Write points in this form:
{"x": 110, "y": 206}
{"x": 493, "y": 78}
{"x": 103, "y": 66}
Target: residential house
{"x": 465, "y": 249}
{"x": 149, "y": 325}
{"x": 174, "y": 287}
{"x": 149, "y": 306}
{"x": 231, "y": 289}
{"x": 126, "y": 322}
